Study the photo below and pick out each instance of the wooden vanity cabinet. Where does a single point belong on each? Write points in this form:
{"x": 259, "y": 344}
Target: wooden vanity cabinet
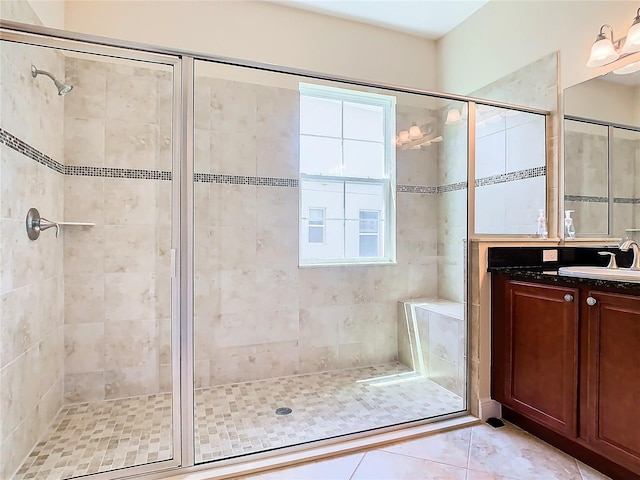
{"x": 569, "y": 371}
{"x": 538, "y": 354}
{"x": 611, "y": 363}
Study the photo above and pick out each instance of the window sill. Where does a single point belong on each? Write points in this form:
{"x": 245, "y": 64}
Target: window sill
{"x": 348, "y": 264}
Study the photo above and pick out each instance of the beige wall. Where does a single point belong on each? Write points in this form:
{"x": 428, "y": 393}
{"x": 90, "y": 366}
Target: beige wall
{"x": 264, "y": 32}
{"x": 504, "y": 36}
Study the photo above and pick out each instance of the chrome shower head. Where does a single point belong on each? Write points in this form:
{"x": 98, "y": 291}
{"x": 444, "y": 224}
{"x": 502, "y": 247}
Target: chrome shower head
{"x": 63, "y": 88}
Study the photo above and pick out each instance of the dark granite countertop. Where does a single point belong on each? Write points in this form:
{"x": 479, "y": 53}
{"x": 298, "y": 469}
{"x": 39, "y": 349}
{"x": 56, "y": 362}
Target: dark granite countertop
{"x": 535, "y": 273}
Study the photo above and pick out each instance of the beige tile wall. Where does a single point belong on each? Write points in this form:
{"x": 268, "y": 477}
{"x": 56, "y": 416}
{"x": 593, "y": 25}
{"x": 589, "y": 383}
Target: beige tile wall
{"x": 452, "y": 209}
{"x": 257, "y": 315}
{"x": 31, "y": 280}
{"x": 117, "y": 280}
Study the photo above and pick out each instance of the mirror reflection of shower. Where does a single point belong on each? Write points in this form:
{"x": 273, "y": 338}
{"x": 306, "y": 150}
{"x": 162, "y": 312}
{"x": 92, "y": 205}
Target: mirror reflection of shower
{"x": 63, "y": 88}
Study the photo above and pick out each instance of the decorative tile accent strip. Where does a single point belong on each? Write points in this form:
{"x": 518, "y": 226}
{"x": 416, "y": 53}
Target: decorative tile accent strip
{"x": 626, "y": 200}
{"x": 585, "y": 198}
{"x": 19, "y": 146}
{"x": 451, "y": 187}
{"x": 416, "y": 189}
{"x": 116, "y": 172}
{"x": 511, "y": 176}
{"x": 243, "y": 180}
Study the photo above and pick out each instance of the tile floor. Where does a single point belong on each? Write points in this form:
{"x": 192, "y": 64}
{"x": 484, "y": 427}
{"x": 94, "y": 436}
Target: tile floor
{"x": 234, "y": 419}
{"x": 472, "y": 453}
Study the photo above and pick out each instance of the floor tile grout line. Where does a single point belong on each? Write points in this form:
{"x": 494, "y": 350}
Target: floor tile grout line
{"x": 422, "y": 458}
{"x": 357, "y": 466}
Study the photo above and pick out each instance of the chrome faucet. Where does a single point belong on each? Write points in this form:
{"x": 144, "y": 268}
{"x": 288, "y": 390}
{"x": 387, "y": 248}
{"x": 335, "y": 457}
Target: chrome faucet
{"x": 633, "y": 245}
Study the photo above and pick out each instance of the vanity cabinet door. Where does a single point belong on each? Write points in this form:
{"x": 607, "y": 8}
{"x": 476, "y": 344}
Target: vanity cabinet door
{"x": 613, "y": 376}
{"x": 535, "y": 334}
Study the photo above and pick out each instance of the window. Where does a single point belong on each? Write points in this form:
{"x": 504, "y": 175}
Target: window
{"x": 347, "y": 176}
{"x": 369, "y": 233}
{"x": 316, "y": 225}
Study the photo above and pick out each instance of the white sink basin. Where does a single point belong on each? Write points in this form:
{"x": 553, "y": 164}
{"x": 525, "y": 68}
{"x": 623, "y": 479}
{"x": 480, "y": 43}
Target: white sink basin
{"x": 601, "y": 273}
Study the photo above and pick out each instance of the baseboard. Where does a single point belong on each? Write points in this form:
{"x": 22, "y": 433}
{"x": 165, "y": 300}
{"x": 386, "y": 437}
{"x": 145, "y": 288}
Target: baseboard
{"x": 489, "y": 408}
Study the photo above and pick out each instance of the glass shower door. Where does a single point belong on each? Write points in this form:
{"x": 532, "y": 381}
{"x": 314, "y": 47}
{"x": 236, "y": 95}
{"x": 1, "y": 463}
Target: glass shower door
{"x": 87, "y": 360}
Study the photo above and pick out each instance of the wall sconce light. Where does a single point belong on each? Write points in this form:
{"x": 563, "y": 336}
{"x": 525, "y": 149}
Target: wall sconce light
{"x": 606, "y": 50}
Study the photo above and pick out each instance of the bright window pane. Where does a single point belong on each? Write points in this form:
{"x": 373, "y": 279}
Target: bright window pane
{"x": 320, "y": 116}
{"x": 363, "y": 159}
{"x": 331, "y": 196}
{"x": 320, "y": 156}
{"x": 316, "y": 234}
{"x": 368, "y": 246}
{"x": 369, "y": 222}
{"x": 363, "y": 122}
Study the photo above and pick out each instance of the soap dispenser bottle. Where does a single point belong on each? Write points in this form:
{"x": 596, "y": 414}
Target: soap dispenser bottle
{"x": 542, "y": 225}
{"x": 569, "y": 228}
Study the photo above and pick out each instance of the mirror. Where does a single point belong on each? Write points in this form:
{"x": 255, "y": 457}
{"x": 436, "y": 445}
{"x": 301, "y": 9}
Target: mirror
{"x": 602, "y": 156}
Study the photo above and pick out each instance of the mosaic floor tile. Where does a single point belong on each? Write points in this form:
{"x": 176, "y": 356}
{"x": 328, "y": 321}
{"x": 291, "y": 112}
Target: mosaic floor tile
{"x": 234, "y": 419}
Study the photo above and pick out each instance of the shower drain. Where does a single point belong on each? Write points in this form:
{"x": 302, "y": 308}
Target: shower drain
{"x": 283, "y": 411}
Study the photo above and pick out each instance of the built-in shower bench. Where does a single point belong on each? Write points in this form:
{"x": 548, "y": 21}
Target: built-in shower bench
{"x": 432, "y": 340}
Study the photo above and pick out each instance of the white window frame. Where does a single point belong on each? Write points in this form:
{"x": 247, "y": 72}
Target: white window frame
{"x": 320, "y": 226}
{"x": 388, "y": 103}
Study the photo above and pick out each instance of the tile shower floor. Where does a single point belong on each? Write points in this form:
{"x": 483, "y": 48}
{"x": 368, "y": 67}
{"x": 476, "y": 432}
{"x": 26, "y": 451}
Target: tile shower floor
{"x": 235, "y": 419}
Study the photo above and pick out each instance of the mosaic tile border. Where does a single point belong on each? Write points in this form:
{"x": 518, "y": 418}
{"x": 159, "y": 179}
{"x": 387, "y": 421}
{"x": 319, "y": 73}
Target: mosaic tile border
{"x": 626, "y": 200}
{"x": 22, "y": 147}
{"x": 451, "y": 187}
{"x": 596, "y": 199}
{"x": 245, "y": 180}
{"x": 416, "y": 189}
{"x": 511, "y": 176}
{"x": 585, "y": 198}
{"x": 117, "y": 172}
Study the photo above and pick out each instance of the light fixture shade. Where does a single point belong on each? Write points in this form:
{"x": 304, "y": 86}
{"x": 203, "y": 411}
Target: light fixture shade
{"x": 602, "y": 53}
{"x": 632, "y": 43}
{"x": 403, "y": 136}
{"x": 453, "y": 117}
{"x": 631, "y": 68}
{"x": 415, "y": 132}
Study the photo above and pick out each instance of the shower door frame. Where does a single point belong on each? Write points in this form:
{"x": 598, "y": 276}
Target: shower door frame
{"x": 183, "y": 233}
{"x": 49, "y": 40}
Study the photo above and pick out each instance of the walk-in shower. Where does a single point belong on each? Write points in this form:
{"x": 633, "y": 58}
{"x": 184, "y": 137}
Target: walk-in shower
{"x": 249, "y": 259}
{"x": 63, "y": 88}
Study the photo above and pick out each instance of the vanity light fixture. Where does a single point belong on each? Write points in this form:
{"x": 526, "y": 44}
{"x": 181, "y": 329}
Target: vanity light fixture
{"x": 415, "y": 138}
{"x": 606, "y": 50}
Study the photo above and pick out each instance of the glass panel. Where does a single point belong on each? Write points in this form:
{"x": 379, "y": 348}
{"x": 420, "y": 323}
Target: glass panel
{"x": 586, "y": 177}
{"x": 510, "y": 171}
{"x": 320, "y": 156}
{"x": 93, "y": 376}
{"x": 271, "y": 335}
{"x": 369, "y": 246}
{"x": 320, "y": 116}
{"x": 369, "y": 221}
{"x": 331, "y": 196}
{"x": 363, "y": 122}
{"x": 625, "y": 169}
{"x": 363, "y": 159}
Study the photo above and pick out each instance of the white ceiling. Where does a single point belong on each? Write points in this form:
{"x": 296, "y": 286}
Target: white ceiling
{"x": 426, "y": 18}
